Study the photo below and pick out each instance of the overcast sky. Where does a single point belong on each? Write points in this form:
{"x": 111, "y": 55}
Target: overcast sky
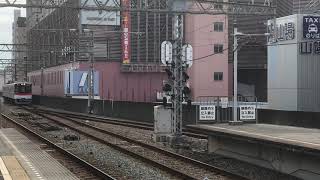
{"x": 6, "y": 19}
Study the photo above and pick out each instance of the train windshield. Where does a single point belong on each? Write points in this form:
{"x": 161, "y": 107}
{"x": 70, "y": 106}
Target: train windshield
{"x": 23, "y": 88}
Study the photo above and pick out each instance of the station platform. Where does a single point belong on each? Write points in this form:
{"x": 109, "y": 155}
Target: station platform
{"x": 290, "y": 150}
{"x": 21, "y": 159}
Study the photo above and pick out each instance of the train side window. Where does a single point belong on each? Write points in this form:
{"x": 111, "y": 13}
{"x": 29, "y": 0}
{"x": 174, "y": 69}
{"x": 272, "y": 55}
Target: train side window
{"x": 28, "y": 88}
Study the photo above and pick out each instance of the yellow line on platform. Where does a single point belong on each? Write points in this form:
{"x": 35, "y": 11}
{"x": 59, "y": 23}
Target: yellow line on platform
{"x": 4, "y": 171}
{"x": 15, "y": 169}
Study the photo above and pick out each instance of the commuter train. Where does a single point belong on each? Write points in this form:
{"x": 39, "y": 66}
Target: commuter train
{"x": 17, "y": 93}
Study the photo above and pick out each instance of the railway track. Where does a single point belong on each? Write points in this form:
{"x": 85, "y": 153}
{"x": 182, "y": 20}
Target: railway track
{"x": 127, "y": 123}
{"x": 69, "y": 156}
{"x": 176, "y": 164}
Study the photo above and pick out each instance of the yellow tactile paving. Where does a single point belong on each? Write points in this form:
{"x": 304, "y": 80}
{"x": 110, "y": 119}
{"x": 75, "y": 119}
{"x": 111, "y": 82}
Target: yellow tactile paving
{"x": 4, "y": 171}
{"x": 16, "y": 171}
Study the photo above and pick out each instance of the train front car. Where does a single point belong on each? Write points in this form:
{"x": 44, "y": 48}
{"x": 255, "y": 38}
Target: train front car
{"x": 22, "y": 93}
{"x": 18, "y": 93}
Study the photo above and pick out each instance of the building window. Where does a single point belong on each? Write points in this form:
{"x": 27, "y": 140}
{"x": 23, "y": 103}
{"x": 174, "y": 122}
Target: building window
{"x": 317, "y": 47}
{"x": 306, "y": 47}
{"x": 218, "y": 48}
{"x": 218, "y": 27}
{"x": 218, "y": 4}
{"x": 218, "y": 76}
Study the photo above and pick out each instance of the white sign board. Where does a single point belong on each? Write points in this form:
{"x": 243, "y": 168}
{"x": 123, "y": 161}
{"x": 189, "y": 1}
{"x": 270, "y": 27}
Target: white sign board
{"x": 224, "y": 102}
{"x": 207, "y": 113}
{"x": 100, "y": 17}
{"x": 248, "y": 112}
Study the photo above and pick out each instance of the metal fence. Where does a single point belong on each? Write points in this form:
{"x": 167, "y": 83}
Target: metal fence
{"x": 211, "y": 109}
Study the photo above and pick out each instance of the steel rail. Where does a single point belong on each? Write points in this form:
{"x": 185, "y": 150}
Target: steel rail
{"x": 123, "y": 150}
{"x": 132, "y": 124}
{"x": 139, "y": 125}
{"x": 217, "y": 170}
{"x": 90, "y": 167}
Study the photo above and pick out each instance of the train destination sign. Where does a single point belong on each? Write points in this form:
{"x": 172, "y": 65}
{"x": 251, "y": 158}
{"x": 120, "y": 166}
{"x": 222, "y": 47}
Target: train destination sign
{"x": 311, "y": 27}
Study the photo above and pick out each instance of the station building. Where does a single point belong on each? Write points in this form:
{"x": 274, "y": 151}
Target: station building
{"x": 293, "y": 63}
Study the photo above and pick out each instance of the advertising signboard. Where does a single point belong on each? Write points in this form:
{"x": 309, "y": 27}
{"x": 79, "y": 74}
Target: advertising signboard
{"x": 126, "y": 28}
{"x": 76, "y": 83}
{"x": 100, "y": 17}
{"x": 207, "y": 113}
{"x": 311, "y": 27}
{"x": 281, "y": 31}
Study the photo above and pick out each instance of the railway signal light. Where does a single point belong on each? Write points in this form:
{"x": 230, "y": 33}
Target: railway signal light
{"x": 186, "y": 90}
{"x": 164, "y": 101}
{"x": 169, "y": 73}
{"x": 185, "y": 76}
{"x": 167, "y": 87}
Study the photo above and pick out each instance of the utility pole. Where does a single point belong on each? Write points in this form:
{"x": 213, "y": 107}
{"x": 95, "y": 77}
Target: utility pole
{"x": 236, "y": 35}
{"x": 4, "y": 76}
{"x": 42, "y": 79}
{"x": 235, "y": 75}
{"x": 15, "y": 71}
{"x": 26, "y": 68}
{"x": 90, "y": 46}
{"x": 177, "y": 70}
{"x": 180, "y": 91}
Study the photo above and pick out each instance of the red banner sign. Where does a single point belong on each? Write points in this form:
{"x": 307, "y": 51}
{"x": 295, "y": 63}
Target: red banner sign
{"x": 126, "y": 28}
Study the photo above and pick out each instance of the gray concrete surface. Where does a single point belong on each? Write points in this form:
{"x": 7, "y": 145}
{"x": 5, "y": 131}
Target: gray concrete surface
{"x": 37, "y": 163}
{"x": 290, "y": 150}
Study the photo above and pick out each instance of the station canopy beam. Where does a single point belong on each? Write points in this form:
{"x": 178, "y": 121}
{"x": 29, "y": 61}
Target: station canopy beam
{"x": 213, "y": 7}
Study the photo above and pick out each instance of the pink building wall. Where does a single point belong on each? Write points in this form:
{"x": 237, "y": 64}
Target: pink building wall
{"x": 201, "y": 35}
